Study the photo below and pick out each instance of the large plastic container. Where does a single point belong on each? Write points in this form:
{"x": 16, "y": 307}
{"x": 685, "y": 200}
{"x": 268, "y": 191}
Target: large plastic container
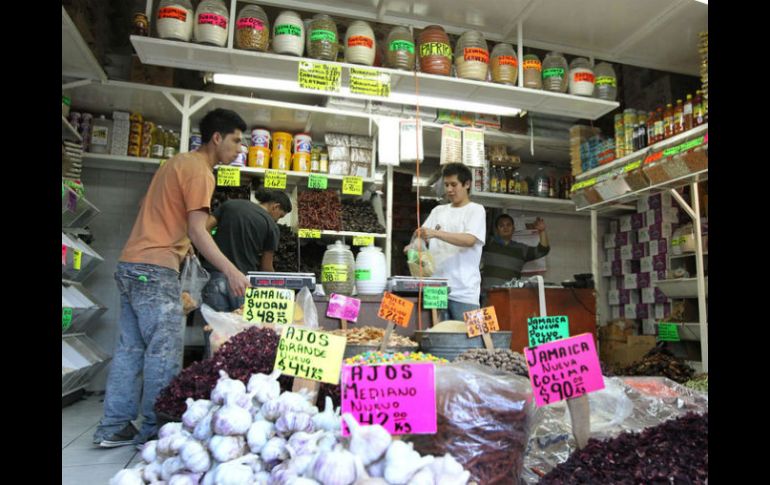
{"x": 252, "y": 29}
{"x": 338, "y": 269}
{"x": 555, "y": 73}
{"x": 472, "y": 56}
{"x": 371, "y": 273}
{"x": 175, "y": 20}
{"x": 606, "y": 82}
{"x": 435, "y": 51}
{"x": 504, "y": 64}
{"x": 533, "y": 72}
{"x": 581, "y": 77}
{"x": 211, "y": 20}
{"x": 399, "y": 49}
{"x": 324, "y": 39}
{"x": 360, "y": 44}
{"x": 289, "y": 34}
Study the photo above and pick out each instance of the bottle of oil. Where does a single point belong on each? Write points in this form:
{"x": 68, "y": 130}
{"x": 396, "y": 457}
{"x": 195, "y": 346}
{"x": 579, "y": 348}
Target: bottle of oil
{"x": 511, "y": 182}
{"x": 494, "y": 179}
{"x": 678, "y": 117}
{"x": 651, "y": 128}
{"x": 687, "y": 113}
{"x": 503, "y": 180}
{"x": 697, "y": 110}
{"x": 659, "y": 131}
{"x": 668, "y": 121}
{"x": 158, "y": 144}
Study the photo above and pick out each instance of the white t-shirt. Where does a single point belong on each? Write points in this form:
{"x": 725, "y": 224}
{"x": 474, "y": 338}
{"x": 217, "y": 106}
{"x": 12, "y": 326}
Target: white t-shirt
{"x": 459, "y": 264}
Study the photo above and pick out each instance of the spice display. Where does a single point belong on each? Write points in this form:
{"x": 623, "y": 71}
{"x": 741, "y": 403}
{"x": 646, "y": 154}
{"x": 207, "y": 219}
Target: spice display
{"x": 434, "y": 50}
{"x": 175, "y": 20}
{"x": 555, "y": 71}
{"x": 360, "y": 44}
{"x": 359, "y": 216}
{"x": 659, "y": 362}
{"x": 699, "y": 383}
{"x": 323, "y": 38}
{"x": 696, "y": 160}
{"x": 399, "y": 49}
{"x": 673, "y": 452}
{"x": 606, "y": 82}
{"x": 533, "y": 70}
{"x": 636, "y": 180}
{"x": 320, "y": 209}
{"x": 472, "y": 56}
{"x": 505, "y": 66}
{"x": 372, "y": 358}
{"x": 338, "y": 273}
{"x": 211, "y": 18}
{"x": 289, "y": 34}
{"x": 286, "y": 257}
{"x": 656, "y": 172}
{"x": 676, "y": 167}
{"x": 373, "y": 336}
{"x": 252, "y": 29}
{"x": 500, "y": 359}
{"x": 581, "y": 77}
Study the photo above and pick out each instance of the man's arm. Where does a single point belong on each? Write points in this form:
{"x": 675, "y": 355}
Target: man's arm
{"x": 267, "y": 261}
{"x": 201, "y": 238}
{"x": 461, "y": 239}
{"x": 211, "y": 223}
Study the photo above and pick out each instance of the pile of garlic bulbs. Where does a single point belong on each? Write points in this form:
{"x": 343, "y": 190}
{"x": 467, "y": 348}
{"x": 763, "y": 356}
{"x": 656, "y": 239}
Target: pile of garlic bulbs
{"x": 255, "y": 435}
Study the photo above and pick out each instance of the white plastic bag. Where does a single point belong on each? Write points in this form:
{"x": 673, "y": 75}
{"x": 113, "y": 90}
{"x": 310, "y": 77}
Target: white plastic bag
{"x": 193, "y": 278}
{"x": 418, "y": 254}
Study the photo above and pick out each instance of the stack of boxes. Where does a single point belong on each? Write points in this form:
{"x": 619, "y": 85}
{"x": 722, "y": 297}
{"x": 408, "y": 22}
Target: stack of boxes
{"x": 578, "y": 134}
{"x": 636, "y": 257}
{"x": 349, "y": 154}
{"x": 121, "y": 127}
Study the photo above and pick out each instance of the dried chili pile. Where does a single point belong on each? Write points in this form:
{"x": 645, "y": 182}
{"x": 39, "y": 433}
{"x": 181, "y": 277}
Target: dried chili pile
{"x": 359, "y": 216}
{"x": 249, "y": 352}
{"x": 675, "y": 452}
{"x": 659, "y": 362}
{"x": 320, "y": 209}
{"x": 286, "y": 258}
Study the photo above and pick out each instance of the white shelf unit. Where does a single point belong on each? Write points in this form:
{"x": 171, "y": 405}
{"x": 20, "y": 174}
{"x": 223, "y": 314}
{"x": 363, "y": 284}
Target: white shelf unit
{"x": 299, "y": 178}
{"x": 121, "y": 163}
{"x": 682, "y": 287}
{"x": 68, "y": 132}
{"x": 77, "y": 59}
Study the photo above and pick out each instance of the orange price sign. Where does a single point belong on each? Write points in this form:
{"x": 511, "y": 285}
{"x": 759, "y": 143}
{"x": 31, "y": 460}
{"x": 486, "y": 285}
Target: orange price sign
{"x": 395, "y": 309}
{"x": 483, "y": 320}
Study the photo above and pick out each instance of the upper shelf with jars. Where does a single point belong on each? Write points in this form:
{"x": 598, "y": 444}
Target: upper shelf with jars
{"x": 232, "y": 44}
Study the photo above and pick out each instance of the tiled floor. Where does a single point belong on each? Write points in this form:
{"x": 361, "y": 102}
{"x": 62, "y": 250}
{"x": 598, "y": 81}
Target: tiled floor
{"x": 82, "y": 461}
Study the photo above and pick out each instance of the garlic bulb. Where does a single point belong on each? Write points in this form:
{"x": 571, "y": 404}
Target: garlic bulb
{"x": 258, "y": 434}
{"x": 367, "y": 442}
{"x": 196, "y": 410}
{"x": 447, "y": 470}
{"x": 225, "y": 386}
{"x": 231, "y": 420}
{"x": 150, "y": 451}
{"x": 423, "y": 477}
{"x": 302, "y": 481}
{"x": 195, "y": 457}
{"x": 226, "y": 448}
{"x": 294, "y": 402}
{"x": 327, "y": 442}
{"x": 327, "y": 420}
{"x": 265, "y": 387}
{"x": 377, "y": 469}
{"x": 163, "y": 447}
{"x": 151, "y": 472}
{"x": 234, "y": 472}
{"x": 185, "y": 479}
{"x": 336, "y": 467}
{"x": 208, "y": 478}
{"x": 204, "y": 430}
{"x": 170, "y": 467}
{"x": 271, "y": 410}
{"x": 262, "y": 478}
{"x": 402, "y": 462}
{"x": 363, "y": 478}
{"x": 303, "y": 443}
{"x": 178, "y": 441}
{"x": 282, "y": 474}
{"x": 292, "y": 422}
{"x": 169, "y": 429}
{"x": 301, "y": 463}
{"x": 127, "y": 476}
{"x": 274, "y": 450}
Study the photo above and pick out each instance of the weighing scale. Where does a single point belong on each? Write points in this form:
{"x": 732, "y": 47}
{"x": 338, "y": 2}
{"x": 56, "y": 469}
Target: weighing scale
{"x": 292, "y": 281}
{"x": 411, "y": 284}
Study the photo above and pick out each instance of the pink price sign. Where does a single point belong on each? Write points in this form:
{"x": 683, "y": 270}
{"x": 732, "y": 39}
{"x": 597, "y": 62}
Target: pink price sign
{"x": 564, "y": 369}
{"x": 401, "y": 398}
{"x": 343, "y": 307}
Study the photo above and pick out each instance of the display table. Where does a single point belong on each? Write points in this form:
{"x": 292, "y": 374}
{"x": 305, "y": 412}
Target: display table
{"x": 367, "y": 316}
{"x": 514, "y": 305}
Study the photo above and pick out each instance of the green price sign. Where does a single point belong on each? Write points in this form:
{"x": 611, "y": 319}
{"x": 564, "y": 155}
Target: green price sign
{"x": 435, "y": 297}
{"x": 668, "y": 332}
{"x": 66, "y": 319}
{"x": 317, "y": 182}
{"x": 547, "y": 329}
{"x": 363, "y": 275}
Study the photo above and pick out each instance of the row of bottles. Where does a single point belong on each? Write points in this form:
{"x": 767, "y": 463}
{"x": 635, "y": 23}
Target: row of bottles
{"x": 164, "y": 144}
{"x": 506, "y": 180}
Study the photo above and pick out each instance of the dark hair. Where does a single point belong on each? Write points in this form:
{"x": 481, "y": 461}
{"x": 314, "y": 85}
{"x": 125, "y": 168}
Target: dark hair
{"x": 463, "y": 173}
{"x": 264, "y": 195}
{"x": 220, "y": 120}
{"x": 503, "y": 216}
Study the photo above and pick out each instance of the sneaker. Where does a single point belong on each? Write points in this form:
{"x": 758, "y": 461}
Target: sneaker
{"x": 140, "y": 442}
{"x": 122, "y": 438}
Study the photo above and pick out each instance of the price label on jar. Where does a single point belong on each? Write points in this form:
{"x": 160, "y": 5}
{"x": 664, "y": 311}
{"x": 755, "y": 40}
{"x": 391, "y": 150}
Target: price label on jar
{"x": 269, "y": 305}
{"x": 319, "y": 76}
{"x": 363, "y": 240}
{"x": 310, "y": 354}
{"x": 435, "y": 297}
{"x": 66, "y": 319}
{"x": 334, "y": 273}
{"x": 547, "y": 329}
{"x": 317, "y": 182}
{"x": 275, "y": 180}
{"x": 363, "y": 275}
{"x": 352, "y": 185}
{"x": 77, "y": 256}
{"x": 228, "y": 177}
{"x": 310, "y": 234}
{"x": 483, "y": 320}
{"x": 395, "y": 309}
{"x": 668, "y": 332}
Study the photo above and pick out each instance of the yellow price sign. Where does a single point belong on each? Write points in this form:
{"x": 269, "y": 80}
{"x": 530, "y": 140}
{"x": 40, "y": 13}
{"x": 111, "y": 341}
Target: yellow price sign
{"x": 632, "y": 166}
{"x": 310, "y": 233}
{"x": 363, "y": 240}
{"x": 269, "y": 305}
{"x": 77, "y": 258}
{"x": 228, "y": 177}
{"x": 319, "y": 76}
{"x": 275, "y": 180}
{"x": 334, "y": 273}
{"x": 310, "y": 354}
{"x": 370, "y": 82}
{"x": 352, "y": 185}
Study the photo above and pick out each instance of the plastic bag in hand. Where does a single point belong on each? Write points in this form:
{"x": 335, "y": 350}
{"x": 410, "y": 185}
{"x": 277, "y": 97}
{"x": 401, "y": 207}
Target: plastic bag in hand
{"x": 194, "y": 277}
{"x": 418, "y": 254}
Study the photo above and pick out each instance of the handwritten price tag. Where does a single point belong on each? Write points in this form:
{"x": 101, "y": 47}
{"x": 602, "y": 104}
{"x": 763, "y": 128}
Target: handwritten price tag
{"x": 334, "y": 273}
{"x": 547, "y": 329}
{"x": 310, "y": 354}
{"x": 435, "y": 297}
{"x": 483, "y": 320}
{"x": 668, "y": 332}
{"x": 565, "y": 369}
{"x": 77, "y": 258}
{"x": 395, "y": 309}
{"x": 269, "y": 305}
{"x": 275, "y": 180}
{"x": 363, "y": 240}
{"x": 343, "y": 307}
{"x": 401, "y": 398}
{"x": 317, "y": 182}
{"x": 66, "y": 319}
{"x": 319, "y": 76}
{"x": 310, "y": 233}
{"x": 352, "y": 185}
{"x": 228, "y": 177}
{"x": 370, "y": 82}
{"x": 363, "y": 275}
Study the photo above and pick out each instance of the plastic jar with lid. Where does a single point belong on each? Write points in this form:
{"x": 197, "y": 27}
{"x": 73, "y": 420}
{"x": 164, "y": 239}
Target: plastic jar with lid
{"x": 434, "y": 51}
{"x": 581, "y": 77}
{"x": 289, "y": 34}
{"x": 323, "y": 38}
{"x": 101, "y": 135}
{"x": 338, "y": 269}
{"x": 555, "y": 72}
{"x": 504, "y": 64}
{"x": 175, "y": 20}
{"x": 399, "y": 49}
{"x": 371, "y": 273}
{"x": 252, "y": 29}
{"x": 472, "y": 56}
{"x": 533, "y": 72}
{"x": 211, "y": 20}
{"x": 360, "y": 46}
{"x": 606, "y": 82}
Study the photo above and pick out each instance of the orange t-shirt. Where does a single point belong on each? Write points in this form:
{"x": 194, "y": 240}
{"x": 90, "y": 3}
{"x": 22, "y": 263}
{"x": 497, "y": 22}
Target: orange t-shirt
{"x": 184, "y": 183}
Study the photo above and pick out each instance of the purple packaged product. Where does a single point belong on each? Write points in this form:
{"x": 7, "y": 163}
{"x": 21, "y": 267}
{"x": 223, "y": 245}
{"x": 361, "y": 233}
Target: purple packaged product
{"x": 637, "y": 221}
{"x": 636, "y": 311}
{"x": 662, "y": 310}
{"x": 610, "y": 241}
{"x": 643, "y": 280}
{"x": 624, "y": 238}
{"x": 620, "y": 268}
{"x": 660, "y": 231}
{"x": 625, "y": 223}
{"x": 613, "y": 254}
{"x": 617, "y": 312}
{"x": 659, "y": 200}
{"x": 659, "y": 246}
{"x": 658, "y": 216}
{"x": 653, "y": 296}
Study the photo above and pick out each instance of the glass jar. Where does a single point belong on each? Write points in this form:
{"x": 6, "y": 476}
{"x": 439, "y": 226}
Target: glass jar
{"x": 533, "y": 72}
{"x": 542, "y": 184}
{"x": 581, "y": 77}
{"x": 289, "y": 34}
{"x": 399, "y": 49}
{"x": 555, "y": 71}
{"x": 175, "y": 20}
{"x": 606, "y": 82}
{"x": 252, "y": 29}
{"x": 211, "y": 20}
{"x": 472, "y": 56}
{"x": 323, "y": 38}
{"x": 338, "y": 269}
{"x": 435, "y": 52}
{"x": 140, "y": 24}
{"x": 360, "y": 44}
{"x": 505, "y": 66}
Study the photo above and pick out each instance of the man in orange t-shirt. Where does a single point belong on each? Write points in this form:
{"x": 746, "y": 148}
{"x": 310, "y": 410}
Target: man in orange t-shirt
{"x": 172, "y": 216}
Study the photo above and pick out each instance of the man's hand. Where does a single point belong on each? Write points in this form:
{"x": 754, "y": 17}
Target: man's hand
{"x": 539, "y": 225}
{"x": 238, "y": 283}
{"x": 427, "y": 234}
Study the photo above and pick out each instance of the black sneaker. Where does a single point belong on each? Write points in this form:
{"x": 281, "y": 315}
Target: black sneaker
{"x": 122, "y": 438}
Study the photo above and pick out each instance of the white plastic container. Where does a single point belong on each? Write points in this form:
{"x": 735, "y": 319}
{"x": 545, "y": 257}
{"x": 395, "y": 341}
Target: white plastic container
{"x": 101, "y": 135}
{"x": 303, "y": 143}
{"x": 289, "y": 34}
{"x": 360, "y": 46}
{"x": 211, "y": 19}
{"x": 371, "y": 276}
{"x": 175, "y": 20}
{"x": 260, "y": 138}
{"x": 581, "y": 77}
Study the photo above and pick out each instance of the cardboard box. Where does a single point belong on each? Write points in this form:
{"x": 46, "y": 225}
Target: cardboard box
{"x": 612, "y": 254}
{"x": 636, "y": 311}
{"x": 656, "y": 201}
{"x": 653, "y": 295}
{"x": 625, "y": 238}
{"x": 610, "y": 241}
{"x": 607, "y": 268}
{"x": 626, "y": 353}
{"x": 623, "y": 297}
{"x": 648, "y": 264}
{"x": 661, "y": 215}
{"x": 655, "y": 248}
{"x": 632, "y": 251}
{"x": 624, "y": 267}
{"x": 618, "y": 330}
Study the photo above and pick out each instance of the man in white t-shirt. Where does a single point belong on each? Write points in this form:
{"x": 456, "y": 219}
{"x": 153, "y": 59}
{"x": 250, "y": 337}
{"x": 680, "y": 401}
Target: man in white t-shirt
{"x": 456, "y": 233}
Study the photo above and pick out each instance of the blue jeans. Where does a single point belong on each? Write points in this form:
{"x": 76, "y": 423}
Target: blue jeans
{"x": 217, "y": 295}
{"x": 456, "y": 310}
{"x": 149, "y": 352}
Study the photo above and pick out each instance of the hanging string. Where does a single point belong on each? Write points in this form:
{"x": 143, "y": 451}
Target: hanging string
{"x": 419, "y": 183}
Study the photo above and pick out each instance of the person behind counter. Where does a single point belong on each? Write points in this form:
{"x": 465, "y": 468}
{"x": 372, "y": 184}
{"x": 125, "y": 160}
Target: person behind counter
{"x": 244, "y": 230}
{"x": 503, "y": 258}
{"x": 456, "y": 233}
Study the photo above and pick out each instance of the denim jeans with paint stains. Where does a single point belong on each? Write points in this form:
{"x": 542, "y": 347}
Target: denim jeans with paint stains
{"x": 217, "y": 295}
{"x": 149, "y": 352}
